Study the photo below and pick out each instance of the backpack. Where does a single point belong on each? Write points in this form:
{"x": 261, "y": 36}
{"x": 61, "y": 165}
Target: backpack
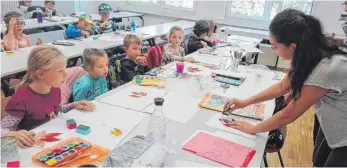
{"x": 155, "y": 56}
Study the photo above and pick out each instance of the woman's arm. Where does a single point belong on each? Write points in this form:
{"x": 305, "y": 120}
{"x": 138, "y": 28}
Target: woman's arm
{"x": 309, "y": 95}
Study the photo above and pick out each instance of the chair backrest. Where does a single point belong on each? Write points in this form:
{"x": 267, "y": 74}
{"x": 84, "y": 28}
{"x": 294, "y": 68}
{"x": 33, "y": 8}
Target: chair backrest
{"x": 73, "y": 74}
{"x": 113, "y": 78}
{"x": 47, "y": 37}
{"x": 155, "y": 56}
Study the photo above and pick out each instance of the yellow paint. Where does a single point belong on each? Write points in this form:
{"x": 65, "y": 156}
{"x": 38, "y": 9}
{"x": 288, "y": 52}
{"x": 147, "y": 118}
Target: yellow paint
{"x": 51, "y": 162}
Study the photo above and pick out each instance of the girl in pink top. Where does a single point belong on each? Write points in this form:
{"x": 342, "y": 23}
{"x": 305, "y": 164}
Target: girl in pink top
{"x": 14, "y": 37}
{"x": 37, "y": 99}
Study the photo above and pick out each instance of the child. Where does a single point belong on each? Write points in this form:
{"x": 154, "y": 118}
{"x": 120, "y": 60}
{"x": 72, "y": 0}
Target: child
{"x": 173, "y": 51}
{"x": 197, "y": 41}
{"x": 80, "y": 28}
{"x": 23, "y": 7}
{"x": 105, "y": 25}
{"x": 50, "y": 8}
{"x": 14, "y": 37}
{"x": 134, "y": 63}
{"x": 211, "y": 35}
{"x": 94, "y": 83}
{"x": 37, "y": 98}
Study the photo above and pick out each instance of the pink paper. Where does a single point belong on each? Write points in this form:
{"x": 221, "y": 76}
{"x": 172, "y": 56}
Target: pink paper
{"x": 220, "y": 150}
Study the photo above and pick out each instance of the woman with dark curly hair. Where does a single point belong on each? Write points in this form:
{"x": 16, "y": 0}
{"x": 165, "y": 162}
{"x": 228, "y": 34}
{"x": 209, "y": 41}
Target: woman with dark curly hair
{"x": 318, "y": 76}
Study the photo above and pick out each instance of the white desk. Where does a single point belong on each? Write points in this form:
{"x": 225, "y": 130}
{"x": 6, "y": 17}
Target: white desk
{"x": 262, "y": 34}
{"x": 119, "y": 15}
{"x": 20, "y": 57}
{"x": 177, "y": 132}
{"x": 32, "y": 23}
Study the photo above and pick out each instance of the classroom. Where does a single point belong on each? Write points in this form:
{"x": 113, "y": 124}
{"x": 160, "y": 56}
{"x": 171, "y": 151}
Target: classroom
{"x": 173, "y": 83}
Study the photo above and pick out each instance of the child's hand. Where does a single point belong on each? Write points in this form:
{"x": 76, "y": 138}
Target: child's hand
{"x": 104, "y": 24}
{"x": 25, "y": 138}
{"x": 189, "y": 59}
{"x": 12, "y": 23}
{"x": 39, "y": 41}
{"x": 203, "y": 44}
{"x": 142, "y": 60}
{"x": 85, "y": 33}
{"x": 83, "y": 105}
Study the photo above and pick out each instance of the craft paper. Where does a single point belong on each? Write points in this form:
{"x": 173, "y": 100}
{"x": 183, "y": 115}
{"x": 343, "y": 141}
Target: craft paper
{"x": 124, "y": 98}
{"x": 178, "y": 107}
{"x": 219, "y": 150}
{"x": 216, "y": 123}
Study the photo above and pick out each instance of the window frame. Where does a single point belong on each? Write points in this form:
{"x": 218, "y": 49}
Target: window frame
{"x": 266, "y": 15}
{"x": 134, "y": 2}
{"x": 165, "y": 6}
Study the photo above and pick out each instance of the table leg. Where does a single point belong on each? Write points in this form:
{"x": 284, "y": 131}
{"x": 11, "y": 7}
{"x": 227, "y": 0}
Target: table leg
{"x": 256, "y": 56}
{"x": 143, "y": 21}
{"x": 276, "y": 62}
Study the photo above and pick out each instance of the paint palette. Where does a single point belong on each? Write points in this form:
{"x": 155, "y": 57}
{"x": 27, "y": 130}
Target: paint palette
{"x": 64, "y": 153}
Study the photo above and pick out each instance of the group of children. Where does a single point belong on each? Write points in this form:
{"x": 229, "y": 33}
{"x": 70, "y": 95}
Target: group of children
{"x": 37, "y": 98}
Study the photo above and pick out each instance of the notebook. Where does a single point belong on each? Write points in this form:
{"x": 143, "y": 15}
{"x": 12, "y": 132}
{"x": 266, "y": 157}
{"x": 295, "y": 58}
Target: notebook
{"x": 254, "y": 111}
{"x": 220, "y": 150}
{"x": 213, "y": 102}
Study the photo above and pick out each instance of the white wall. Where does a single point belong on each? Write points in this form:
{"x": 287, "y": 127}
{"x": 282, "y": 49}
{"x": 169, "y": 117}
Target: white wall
{"x": 65, "y": 7}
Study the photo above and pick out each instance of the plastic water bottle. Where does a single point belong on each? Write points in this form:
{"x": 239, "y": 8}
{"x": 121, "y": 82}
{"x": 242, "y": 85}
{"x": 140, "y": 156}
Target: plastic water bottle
{"x": 133, "y": 26}
{"x": 157, "y": 124}
{"x": 39, "y": 15}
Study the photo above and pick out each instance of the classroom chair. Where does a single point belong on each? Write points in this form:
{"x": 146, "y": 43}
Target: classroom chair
{"x": 4, "y": 101}
{"x": 73, "y": 74}
{"x": 113, "y": 78}
{"x": 276, "y": 137}
{"x": 155, "y": 56}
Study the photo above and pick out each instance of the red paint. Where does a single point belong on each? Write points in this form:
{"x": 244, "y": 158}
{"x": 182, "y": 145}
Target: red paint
{"x": 15, "y": 164}
{"x": 57, "y": 151}
{"x": 71, "y": 126}
{"x": 78, "y": 148}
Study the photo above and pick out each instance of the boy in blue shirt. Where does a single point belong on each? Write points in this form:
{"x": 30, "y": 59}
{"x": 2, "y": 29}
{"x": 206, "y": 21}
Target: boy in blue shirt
{"x": 80, "y": 28}
{"x": 94, "y": 83}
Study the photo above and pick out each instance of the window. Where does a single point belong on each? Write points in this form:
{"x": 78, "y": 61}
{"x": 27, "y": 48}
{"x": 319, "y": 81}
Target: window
{"x": 247, "y": 7}
{"x": 144, "y": 1}
{"x": 185, "y": 4}
{"x": 265, "y": 9}
{"x": 303, "y": 5}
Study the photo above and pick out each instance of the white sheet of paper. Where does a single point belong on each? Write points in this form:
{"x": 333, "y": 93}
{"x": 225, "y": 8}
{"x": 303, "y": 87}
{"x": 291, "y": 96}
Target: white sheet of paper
{"x": 250, "y": 49}
{"x": 100, "y": 133}
{"x": 123, "y": 98}
{"x": 214, "y": 122}
{"x": 180, "y": 108}
{"x": 110, "y": 115}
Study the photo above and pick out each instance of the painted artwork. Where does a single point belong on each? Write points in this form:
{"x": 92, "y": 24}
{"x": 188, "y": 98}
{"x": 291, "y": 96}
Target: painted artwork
{"x": 214, "y": 102}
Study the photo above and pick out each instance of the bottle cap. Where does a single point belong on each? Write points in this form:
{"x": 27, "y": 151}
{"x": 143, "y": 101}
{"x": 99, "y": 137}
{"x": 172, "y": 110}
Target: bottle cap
{"x": 158, "y": 101}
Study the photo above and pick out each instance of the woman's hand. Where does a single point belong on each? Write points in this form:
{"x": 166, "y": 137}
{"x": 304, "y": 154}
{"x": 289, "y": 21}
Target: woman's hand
{"x": 25, "y": 138}
{"x": 243, "y": 126}
{"x": 83, "y": 105}
{"x": 234, "y": 104}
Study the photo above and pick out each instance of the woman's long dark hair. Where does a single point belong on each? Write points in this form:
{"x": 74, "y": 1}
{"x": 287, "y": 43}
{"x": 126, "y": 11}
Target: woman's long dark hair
{"x": 293, "y": 26}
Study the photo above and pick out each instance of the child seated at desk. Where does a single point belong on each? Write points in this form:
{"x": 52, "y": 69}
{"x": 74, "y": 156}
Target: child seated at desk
{"x": 37, "y": 99}
{"x": 48, "y": 10}
{"x": 135, "y": 62}
{"x": 173, "y": 50}
{"x": 105, "y": 25}
{"x": 14, "y": 37}
{"x": 197, "y": 41}
{"x": 93, "y": 83}
{"x": 80, "y": 28}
